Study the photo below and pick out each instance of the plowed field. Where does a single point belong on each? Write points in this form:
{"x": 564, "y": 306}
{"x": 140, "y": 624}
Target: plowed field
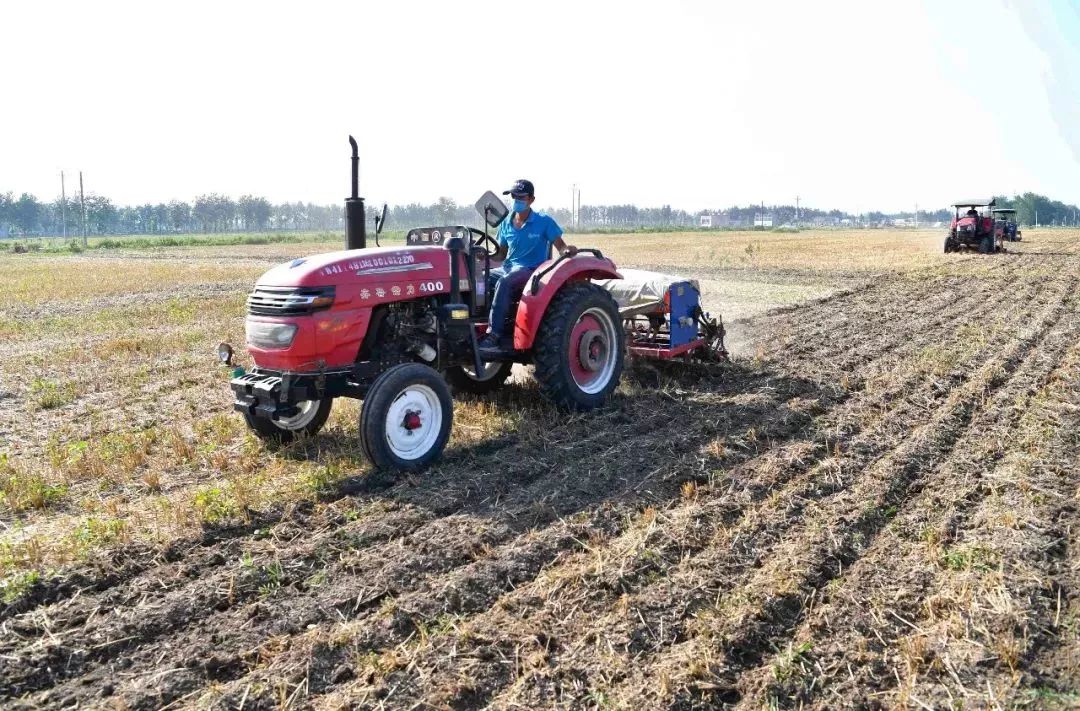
{"x": 875, "y": 505}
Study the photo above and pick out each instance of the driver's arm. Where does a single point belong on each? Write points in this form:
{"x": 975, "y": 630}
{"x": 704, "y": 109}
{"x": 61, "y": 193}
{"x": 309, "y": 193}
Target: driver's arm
{"x": 563, "y": 247}
{"x": 500, "y": 253}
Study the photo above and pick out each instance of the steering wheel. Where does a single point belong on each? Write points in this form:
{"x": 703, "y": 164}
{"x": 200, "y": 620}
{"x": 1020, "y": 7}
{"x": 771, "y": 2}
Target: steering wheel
{"x": 484, "y": 240}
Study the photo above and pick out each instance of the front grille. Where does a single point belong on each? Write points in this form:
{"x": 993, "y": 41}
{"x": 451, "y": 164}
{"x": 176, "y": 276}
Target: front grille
{"x": 289, "y": 300}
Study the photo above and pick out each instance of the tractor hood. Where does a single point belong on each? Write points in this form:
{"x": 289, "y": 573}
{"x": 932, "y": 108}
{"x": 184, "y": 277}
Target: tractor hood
{"x": 356, "y": 266}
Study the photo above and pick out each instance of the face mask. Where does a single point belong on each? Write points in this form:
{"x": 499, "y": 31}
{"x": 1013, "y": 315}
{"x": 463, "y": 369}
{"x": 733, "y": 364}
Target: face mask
{"x": 520, "y": 206}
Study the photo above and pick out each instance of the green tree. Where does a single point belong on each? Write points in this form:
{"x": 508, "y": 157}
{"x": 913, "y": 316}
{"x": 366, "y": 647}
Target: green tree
{"x": 254, "y": 212}
{"x": 180, "y": 216}
{"x": 445, "y": 210}
{"x": 27, "y": 213}
{"x": 101, "y": 215}
{"x": 7, "y": 212}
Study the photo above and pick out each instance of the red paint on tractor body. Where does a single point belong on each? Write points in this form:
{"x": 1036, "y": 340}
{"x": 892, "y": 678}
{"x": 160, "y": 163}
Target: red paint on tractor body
{"x": 665, "y": 353}
{"x": 532, "y": 308}
{"x": 987, "y": 222}
{"x": 362, "y": 279}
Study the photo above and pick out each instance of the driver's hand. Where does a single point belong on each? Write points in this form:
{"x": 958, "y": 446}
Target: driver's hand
{"x": 569, "y": 250}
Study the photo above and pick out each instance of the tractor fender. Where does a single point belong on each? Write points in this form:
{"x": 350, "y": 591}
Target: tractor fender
{"x": 545, "y": 282}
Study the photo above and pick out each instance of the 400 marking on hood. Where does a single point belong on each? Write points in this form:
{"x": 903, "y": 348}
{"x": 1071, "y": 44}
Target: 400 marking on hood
{"x": 424, "y": 287}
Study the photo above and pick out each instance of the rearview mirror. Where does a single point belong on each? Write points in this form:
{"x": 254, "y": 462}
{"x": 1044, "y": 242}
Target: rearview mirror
{"x": 380, "y": 220}
{"x": 492, "y": 209}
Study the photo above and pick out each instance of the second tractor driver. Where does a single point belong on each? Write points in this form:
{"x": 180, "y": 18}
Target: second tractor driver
{"x": 524, "y": 242}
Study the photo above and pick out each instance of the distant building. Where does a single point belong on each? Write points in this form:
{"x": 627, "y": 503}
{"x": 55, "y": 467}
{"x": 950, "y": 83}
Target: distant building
{"x": 763, "y": 220}
{"x": 713, "y": 220}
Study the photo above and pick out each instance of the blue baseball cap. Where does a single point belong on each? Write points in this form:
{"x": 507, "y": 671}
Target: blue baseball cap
{"x": 520, "y": 188}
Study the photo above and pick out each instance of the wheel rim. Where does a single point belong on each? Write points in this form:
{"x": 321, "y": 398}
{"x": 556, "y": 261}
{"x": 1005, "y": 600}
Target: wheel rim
{"x": 413, "y": 422}
{"x": 592, "y": 350}
{"x": 308, "y": 409}
{"x": 487, "y": 372}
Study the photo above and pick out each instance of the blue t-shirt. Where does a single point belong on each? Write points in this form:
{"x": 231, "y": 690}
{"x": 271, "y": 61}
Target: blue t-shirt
{"x": 527, "y": 246}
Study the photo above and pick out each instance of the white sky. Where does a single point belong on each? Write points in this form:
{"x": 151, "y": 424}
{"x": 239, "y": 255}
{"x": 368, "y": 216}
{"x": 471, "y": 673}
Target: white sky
{"x": 857, "y": 105}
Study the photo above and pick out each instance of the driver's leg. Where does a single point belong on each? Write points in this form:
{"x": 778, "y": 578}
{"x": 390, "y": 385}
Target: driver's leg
{"x": 509, "y": 284}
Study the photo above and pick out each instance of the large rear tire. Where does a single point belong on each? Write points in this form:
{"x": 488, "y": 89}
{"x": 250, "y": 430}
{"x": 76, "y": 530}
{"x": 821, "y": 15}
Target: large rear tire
{"x": 305, "y": 423}
{"x": 580, "y": 347}
{"x": 949, "y": 245}
{"x": 463, "y": 380}
{"x": 406, "y": 418}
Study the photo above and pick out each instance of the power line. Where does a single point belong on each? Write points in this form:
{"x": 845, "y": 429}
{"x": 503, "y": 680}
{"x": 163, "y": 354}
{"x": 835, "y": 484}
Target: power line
{"x": 63, "y": 204}
{"x": 82, "y": 203}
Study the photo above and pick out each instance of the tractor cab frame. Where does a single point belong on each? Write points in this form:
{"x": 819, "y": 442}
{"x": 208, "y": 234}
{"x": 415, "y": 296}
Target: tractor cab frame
{"x": 1005, "y": 224}
{"x": 973, "y": 229}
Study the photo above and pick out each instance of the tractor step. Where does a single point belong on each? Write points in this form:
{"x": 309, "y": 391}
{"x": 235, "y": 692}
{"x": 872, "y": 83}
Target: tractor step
{"x": 503, "y": 352}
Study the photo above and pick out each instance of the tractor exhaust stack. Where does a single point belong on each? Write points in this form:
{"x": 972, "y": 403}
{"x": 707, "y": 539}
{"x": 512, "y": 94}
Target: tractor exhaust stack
{"x": 355, "y": 217}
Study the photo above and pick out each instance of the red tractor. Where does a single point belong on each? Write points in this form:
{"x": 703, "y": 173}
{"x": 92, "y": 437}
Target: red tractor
{"x": 398, "y": 327}
{"x": 973, "y": 230}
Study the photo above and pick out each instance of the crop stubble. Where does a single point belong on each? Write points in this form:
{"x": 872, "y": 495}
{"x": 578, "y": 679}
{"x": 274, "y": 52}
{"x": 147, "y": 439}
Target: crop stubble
{"x": 877, "y": 507}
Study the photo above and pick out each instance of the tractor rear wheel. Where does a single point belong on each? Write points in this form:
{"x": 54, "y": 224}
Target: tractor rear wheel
{"x": 405, "y": 419}
{"x": 986, "y": 244}
{"x": 949, "y": 245}
{"x": 463, "y": 379}
{"x": 310, "y": 417}
{"x": 579, "y": 347}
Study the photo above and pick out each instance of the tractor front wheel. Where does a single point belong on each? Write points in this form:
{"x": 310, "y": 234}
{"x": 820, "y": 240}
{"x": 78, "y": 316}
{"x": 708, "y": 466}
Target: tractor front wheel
{"x": 309, "y": 418}
{"x": 463, "y": 379}
{"x": 986, "y": 244}
{"x": 949, "y": 247}
{"x": 406, "y": 417}
{"x": 580, "y": 347}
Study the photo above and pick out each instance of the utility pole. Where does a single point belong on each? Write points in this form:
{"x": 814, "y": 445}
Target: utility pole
{"x": 916, "y": 215}
{"x": 63, "y": 204}
{"x": 796, "y": 212}
{"x": 82, "y": 204}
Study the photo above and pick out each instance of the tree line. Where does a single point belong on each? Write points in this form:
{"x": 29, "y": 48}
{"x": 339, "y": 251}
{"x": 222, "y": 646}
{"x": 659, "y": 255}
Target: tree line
{"x": 28, "y": 216}
{"x": 1038, "y": 209}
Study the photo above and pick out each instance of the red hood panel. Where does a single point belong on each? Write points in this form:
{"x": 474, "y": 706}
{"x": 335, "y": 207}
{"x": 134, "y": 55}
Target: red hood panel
{"x": 358, "y": 266}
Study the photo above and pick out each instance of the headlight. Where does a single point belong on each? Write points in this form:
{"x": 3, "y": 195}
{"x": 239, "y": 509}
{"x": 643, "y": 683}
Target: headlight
{"x": 269, "y": 335}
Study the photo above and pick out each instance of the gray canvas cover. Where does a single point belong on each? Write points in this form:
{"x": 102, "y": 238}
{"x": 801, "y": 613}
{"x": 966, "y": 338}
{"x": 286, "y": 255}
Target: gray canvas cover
{"x": 639, "y": 288}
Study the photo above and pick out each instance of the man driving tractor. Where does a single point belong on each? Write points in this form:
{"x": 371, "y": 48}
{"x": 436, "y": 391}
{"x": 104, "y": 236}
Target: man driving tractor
{"x": 524, "y": 243}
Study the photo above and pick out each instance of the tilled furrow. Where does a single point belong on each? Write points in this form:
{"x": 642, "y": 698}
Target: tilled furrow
{"x": 164, "y": 609}
{"x": 875, "y": 332}
{"x": 199, "y": 614}
{"x": 662, "y": 605}
{"x": 848, "y": 649}
{"x": 431, "y": 601}
{"x": 877, "y": 496}
{"x": 592, "y": 597}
